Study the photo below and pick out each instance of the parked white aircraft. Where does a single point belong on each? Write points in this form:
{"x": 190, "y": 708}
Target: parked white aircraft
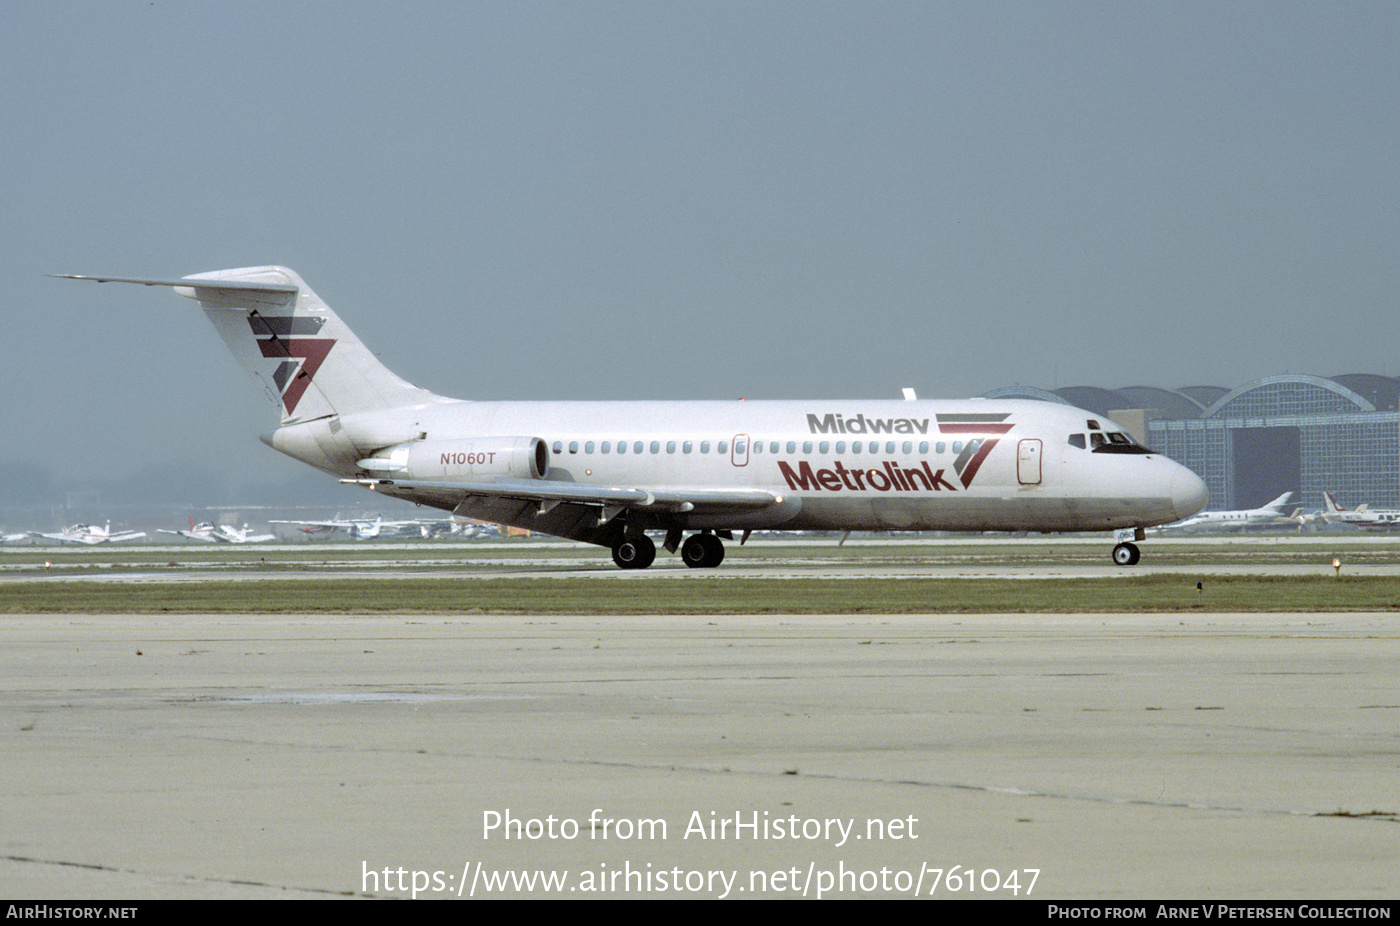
{"x": 607, "y": 472}
{"x": 358, "y": 529}
{"x": 221, "y": 533}
{"x": 90, "y": 534}
{"x": 365, "y": 529}
{"x": 1364, "y": 517}
{"x": 1270, "y": 515}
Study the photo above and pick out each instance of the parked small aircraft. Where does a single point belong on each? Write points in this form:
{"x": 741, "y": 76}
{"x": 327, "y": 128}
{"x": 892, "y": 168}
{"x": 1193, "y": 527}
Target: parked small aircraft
{"x": 90, "y": 534}
{"x": 221, "y": 533}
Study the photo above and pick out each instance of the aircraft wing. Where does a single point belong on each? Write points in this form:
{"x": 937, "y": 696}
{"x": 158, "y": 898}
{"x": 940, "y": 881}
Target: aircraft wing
{"x": 568, "y": 509}
{"x": 189, "y": 535}
{"x": 610, "y": 498}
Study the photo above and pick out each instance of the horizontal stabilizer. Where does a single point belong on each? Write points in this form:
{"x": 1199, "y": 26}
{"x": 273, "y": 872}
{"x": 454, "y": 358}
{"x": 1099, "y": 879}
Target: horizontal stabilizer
{"x": 191, "y": 283}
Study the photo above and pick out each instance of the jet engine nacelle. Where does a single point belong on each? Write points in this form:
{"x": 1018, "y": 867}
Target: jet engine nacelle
{"x": 479, "y": 458}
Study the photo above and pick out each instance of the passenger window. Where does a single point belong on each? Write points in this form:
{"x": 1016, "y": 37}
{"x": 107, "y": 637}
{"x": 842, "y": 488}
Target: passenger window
{"x": 637, "y": 447}
{"x": 687, "y": 447}
{"x": 588, "y": 447}
{"x": 655, "y": 446}
{"x": 889, "y": 447}
{"x": 840, "y": 446}
{"x": 558, "y": 446}
{"x": 923, "y": 446}
{"x": 607, "y": 446}
{"x": 807, "y": 447}
{"x": 739, "y": 447}
{"x": 622, "y": 446}
{"x": 704, "y": 446}
{"x": 908, "y": 447}
{"x": 773, "y": 447}
{"x": 940, "y": 447}
{"x": 824, "y": 447}
{"x": 792, "y": 446}
{"x": 670, "y": 446}
{"x": 722, "y": 447}
{"x": 573, "y": 446}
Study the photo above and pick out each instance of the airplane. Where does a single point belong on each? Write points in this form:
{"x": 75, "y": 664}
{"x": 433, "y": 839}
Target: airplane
{"x": 358, "y": 529}
{"x": 1364, "y": 517}
{"x": 365, "y": 529}
{"x": 1270, "y": 515}
{"x": 606, "y": 473}
{"x": 221, "y": 533}
{"x": 90, "y": 534}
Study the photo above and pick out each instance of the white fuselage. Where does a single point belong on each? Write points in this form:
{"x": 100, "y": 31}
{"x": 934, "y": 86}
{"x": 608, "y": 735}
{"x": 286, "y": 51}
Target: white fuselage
{"x": 852, "y": 465}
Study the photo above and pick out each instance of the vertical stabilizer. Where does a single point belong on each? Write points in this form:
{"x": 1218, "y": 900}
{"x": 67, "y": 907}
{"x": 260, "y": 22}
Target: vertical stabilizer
{"x": 311, "y": 364}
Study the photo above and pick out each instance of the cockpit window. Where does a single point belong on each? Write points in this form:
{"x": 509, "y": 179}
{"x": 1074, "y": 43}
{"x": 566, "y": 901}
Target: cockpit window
{"x": 1117, "y": 442}
{"x": 1076, "y": 440}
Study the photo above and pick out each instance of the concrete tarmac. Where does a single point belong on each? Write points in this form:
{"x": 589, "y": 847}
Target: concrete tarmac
{"x": 1208, "y": 756}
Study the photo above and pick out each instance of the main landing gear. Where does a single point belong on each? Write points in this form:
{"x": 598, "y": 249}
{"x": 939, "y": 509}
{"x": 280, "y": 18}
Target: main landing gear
{"x": 1126, "y": 554}
{"x": 637, "y": 551}
{"x": 702, "y": 551}
{"x": 634, "y": 551}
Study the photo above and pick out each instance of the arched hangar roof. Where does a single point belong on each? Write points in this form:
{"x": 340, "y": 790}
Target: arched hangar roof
{"x": 1288, "y": 394}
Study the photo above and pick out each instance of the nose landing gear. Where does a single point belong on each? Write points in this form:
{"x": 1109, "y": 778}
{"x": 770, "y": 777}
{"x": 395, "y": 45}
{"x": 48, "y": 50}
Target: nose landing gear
{"x": 1126, "y": 554}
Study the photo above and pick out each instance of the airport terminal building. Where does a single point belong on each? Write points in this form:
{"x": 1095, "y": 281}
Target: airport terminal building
{"x": 1307, "y": 434}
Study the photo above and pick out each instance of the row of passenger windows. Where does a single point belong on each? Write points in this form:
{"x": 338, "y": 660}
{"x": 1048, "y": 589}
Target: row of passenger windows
{"x": 742, "y": 447}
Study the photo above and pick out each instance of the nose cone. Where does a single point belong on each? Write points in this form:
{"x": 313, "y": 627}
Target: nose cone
{"x": 1189, "y": 493}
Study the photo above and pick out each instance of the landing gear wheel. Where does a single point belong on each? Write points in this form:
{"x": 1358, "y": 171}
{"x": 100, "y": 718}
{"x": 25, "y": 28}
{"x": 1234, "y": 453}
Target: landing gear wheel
{"x": 634, "y": 552}
{"x": 702, "y": 551}
{"x": 1126, "y": 554}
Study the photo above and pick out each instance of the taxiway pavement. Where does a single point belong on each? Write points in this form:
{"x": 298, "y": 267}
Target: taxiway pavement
{"x": 1076, "y": 756}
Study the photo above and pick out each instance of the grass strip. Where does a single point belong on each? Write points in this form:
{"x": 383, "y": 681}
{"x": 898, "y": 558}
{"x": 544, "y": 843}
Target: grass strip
{"x": 717, "y": 595}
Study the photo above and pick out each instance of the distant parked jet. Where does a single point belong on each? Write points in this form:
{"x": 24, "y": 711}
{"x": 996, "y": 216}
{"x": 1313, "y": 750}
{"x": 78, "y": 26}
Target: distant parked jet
{"x": 1270, "y": 515}
{"x": 1364, "y": 517}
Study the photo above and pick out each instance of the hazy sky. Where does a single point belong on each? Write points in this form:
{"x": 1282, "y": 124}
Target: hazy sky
{"x": 689, "y": 200}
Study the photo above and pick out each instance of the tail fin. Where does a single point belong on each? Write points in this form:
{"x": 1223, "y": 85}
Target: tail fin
{"x": 310, "y": 363}
{"x": 1332, "y": 505}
